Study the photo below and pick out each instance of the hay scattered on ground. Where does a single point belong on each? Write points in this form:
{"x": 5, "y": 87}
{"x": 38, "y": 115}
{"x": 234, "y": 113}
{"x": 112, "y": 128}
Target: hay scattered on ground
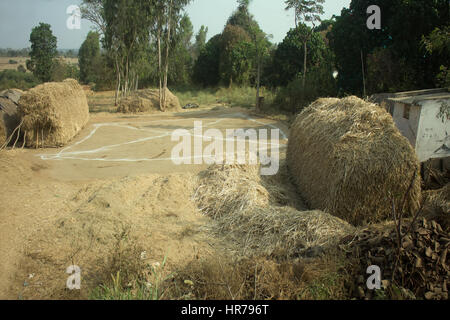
{"x": 348, "y": 158}
{"x": 230, "y": 188}
{"x": 147, "y": 101}
{"x": 248, "y": 213}
{"x": 53, "y": 113}
{"x": 104, "y": 218}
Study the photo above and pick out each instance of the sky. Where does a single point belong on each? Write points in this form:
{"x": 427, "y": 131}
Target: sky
{"x": 18, "y": 17}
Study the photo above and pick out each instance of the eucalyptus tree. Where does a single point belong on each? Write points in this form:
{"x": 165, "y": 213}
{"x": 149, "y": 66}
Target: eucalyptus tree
{"x": 306, "y": 11}
{"x": 126, "y": 36}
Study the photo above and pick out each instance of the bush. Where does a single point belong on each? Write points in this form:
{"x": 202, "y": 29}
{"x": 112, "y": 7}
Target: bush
{"x": 319, "y": 83}
{"x": 21, "y": 68}
{"x": 62, "y": 70}
{"x": 11, "y": 61}
{"x": 16, "y": 79}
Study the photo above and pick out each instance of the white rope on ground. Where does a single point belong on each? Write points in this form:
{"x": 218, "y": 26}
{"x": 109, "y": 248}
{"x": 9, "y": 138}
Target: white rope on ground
{"x": 64, "y": 154}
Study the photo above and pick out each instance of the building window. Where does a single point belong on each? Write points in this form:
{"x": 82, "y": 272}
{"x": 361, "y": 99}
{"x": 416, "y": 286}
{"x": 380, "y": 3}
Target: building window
{"x": 406, "y": 111}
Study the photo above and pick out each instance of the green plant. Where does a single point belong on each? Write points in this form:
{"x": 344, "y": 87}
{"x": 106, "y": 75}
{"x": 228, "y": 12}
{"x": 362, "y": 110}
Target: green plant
{"x": 148, "y": 285}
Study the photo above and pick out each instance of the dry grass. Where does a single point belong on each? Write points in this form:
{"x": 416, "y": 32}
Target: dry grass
{"x": 348, "y": 158}
{"x": 249, "y": 213}
{"x": 53, "y": 113}
{"x": 229, "y": 189}
{"x": 260, "y": 278}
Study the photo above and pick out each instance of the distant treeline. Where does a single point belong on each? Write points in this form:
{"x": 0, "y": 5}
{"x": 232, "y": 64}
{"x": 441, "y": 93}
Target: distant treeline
{"x": 25, "y": 52}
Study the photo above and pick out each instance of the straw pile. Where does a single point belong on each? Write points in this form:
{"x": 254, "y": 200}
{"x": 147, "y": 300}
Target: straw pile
{"x": 348, "y": 158}
{"x": 147, "y": 101}
{"x": 53, "y": 113}
{"x": 248, "y": 212}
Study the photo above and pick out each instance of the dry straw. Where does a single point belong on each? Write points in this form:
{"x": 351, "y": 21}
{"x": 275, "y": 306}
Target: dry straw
{"x": 348, "y": 158}
{"x": 247, "y": 212}
{"x": 53, "y": 113}
{"x": 147, "y": 101}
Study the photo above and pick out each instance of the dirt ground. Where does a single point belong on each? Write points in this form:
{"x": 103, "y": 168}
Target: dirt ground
{"x": 115, "y": 182}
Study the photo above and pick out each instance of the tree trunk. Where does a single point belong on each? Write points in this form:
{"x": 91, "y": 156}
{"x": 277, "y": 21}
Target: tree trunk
{"x": 364, "y": 75}
{"x": 118, "y": 83}
{"x": 304, "y": 65}
{"x": 166, "y": 70}
{"x": 159, "y": 68}
{"x": 258, "y": 80}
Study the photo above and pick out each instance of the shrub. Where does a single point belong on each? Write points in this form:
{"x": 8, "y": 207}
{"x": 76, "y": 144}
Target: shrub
{"x": 16, "y": 79}
{"x": 319, "y": 83}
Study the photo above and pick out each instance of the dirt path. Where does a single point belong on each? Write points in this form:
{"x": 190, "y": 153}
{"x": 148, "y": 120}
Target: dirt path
{"x": 118, "y": 170}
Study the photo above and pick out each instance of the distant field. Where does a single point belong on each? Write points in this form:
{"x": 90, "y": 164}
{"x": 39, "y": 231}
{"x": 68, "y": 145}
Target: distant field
{"x": 5, "y": 65}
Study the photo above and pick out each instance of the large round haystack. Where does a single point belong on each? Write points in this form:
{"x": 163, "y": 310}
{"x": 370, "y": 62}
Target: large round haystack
{"x": 348, "y": 158}
{"x": 53, "y": 113}
{"x": 147, "y": 101}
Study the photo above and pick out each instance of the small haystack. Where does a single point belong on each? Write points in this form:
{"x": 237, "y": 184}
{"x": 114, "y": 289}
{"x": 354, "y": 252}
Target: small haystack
{"x": 348, "y": 158}
{"x": 247, "y": 211}
{"x": 53, "y": 113}
{"x": 147, "y": 101}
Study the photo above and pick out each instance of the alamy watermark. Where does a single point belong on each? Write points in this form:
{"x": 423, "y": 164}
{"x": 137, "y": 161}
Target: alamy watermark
{"x": 74, "y": 280}
{"x": 374, "y": 20}
{"x": 231, "y": 149}
{"x": 374, "y": 281}
{"x": 74, "y": 20}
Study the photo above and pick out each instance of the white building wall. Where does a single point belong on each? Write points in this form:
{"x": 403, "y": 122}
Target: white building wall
{"x": 408, "y": 127}
{"x": 433, "y": 138}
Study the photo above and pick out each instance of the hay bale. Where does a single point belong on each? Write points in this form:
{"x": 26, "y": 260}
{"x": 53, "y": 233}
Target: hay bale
{"x": 348, "y": 158}
{"x": 147, "y": 101}
{"x": 53, "y": 113}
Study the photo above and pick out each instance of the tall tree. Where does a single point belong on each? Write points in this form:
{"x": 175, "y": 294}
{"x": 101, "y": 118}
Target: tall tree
{"x": 92, "y": 10}
{"x": 43, "y": 51}
{"x": 235, "y": 58}
{"x": 306, "y": 11}
{"x": 206, "y": 67}
{"x": 125, "y": 38}
{"x": 200, "y": 41}
{"x": 167, "y": 16}
{"x": 89, "y": 57}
